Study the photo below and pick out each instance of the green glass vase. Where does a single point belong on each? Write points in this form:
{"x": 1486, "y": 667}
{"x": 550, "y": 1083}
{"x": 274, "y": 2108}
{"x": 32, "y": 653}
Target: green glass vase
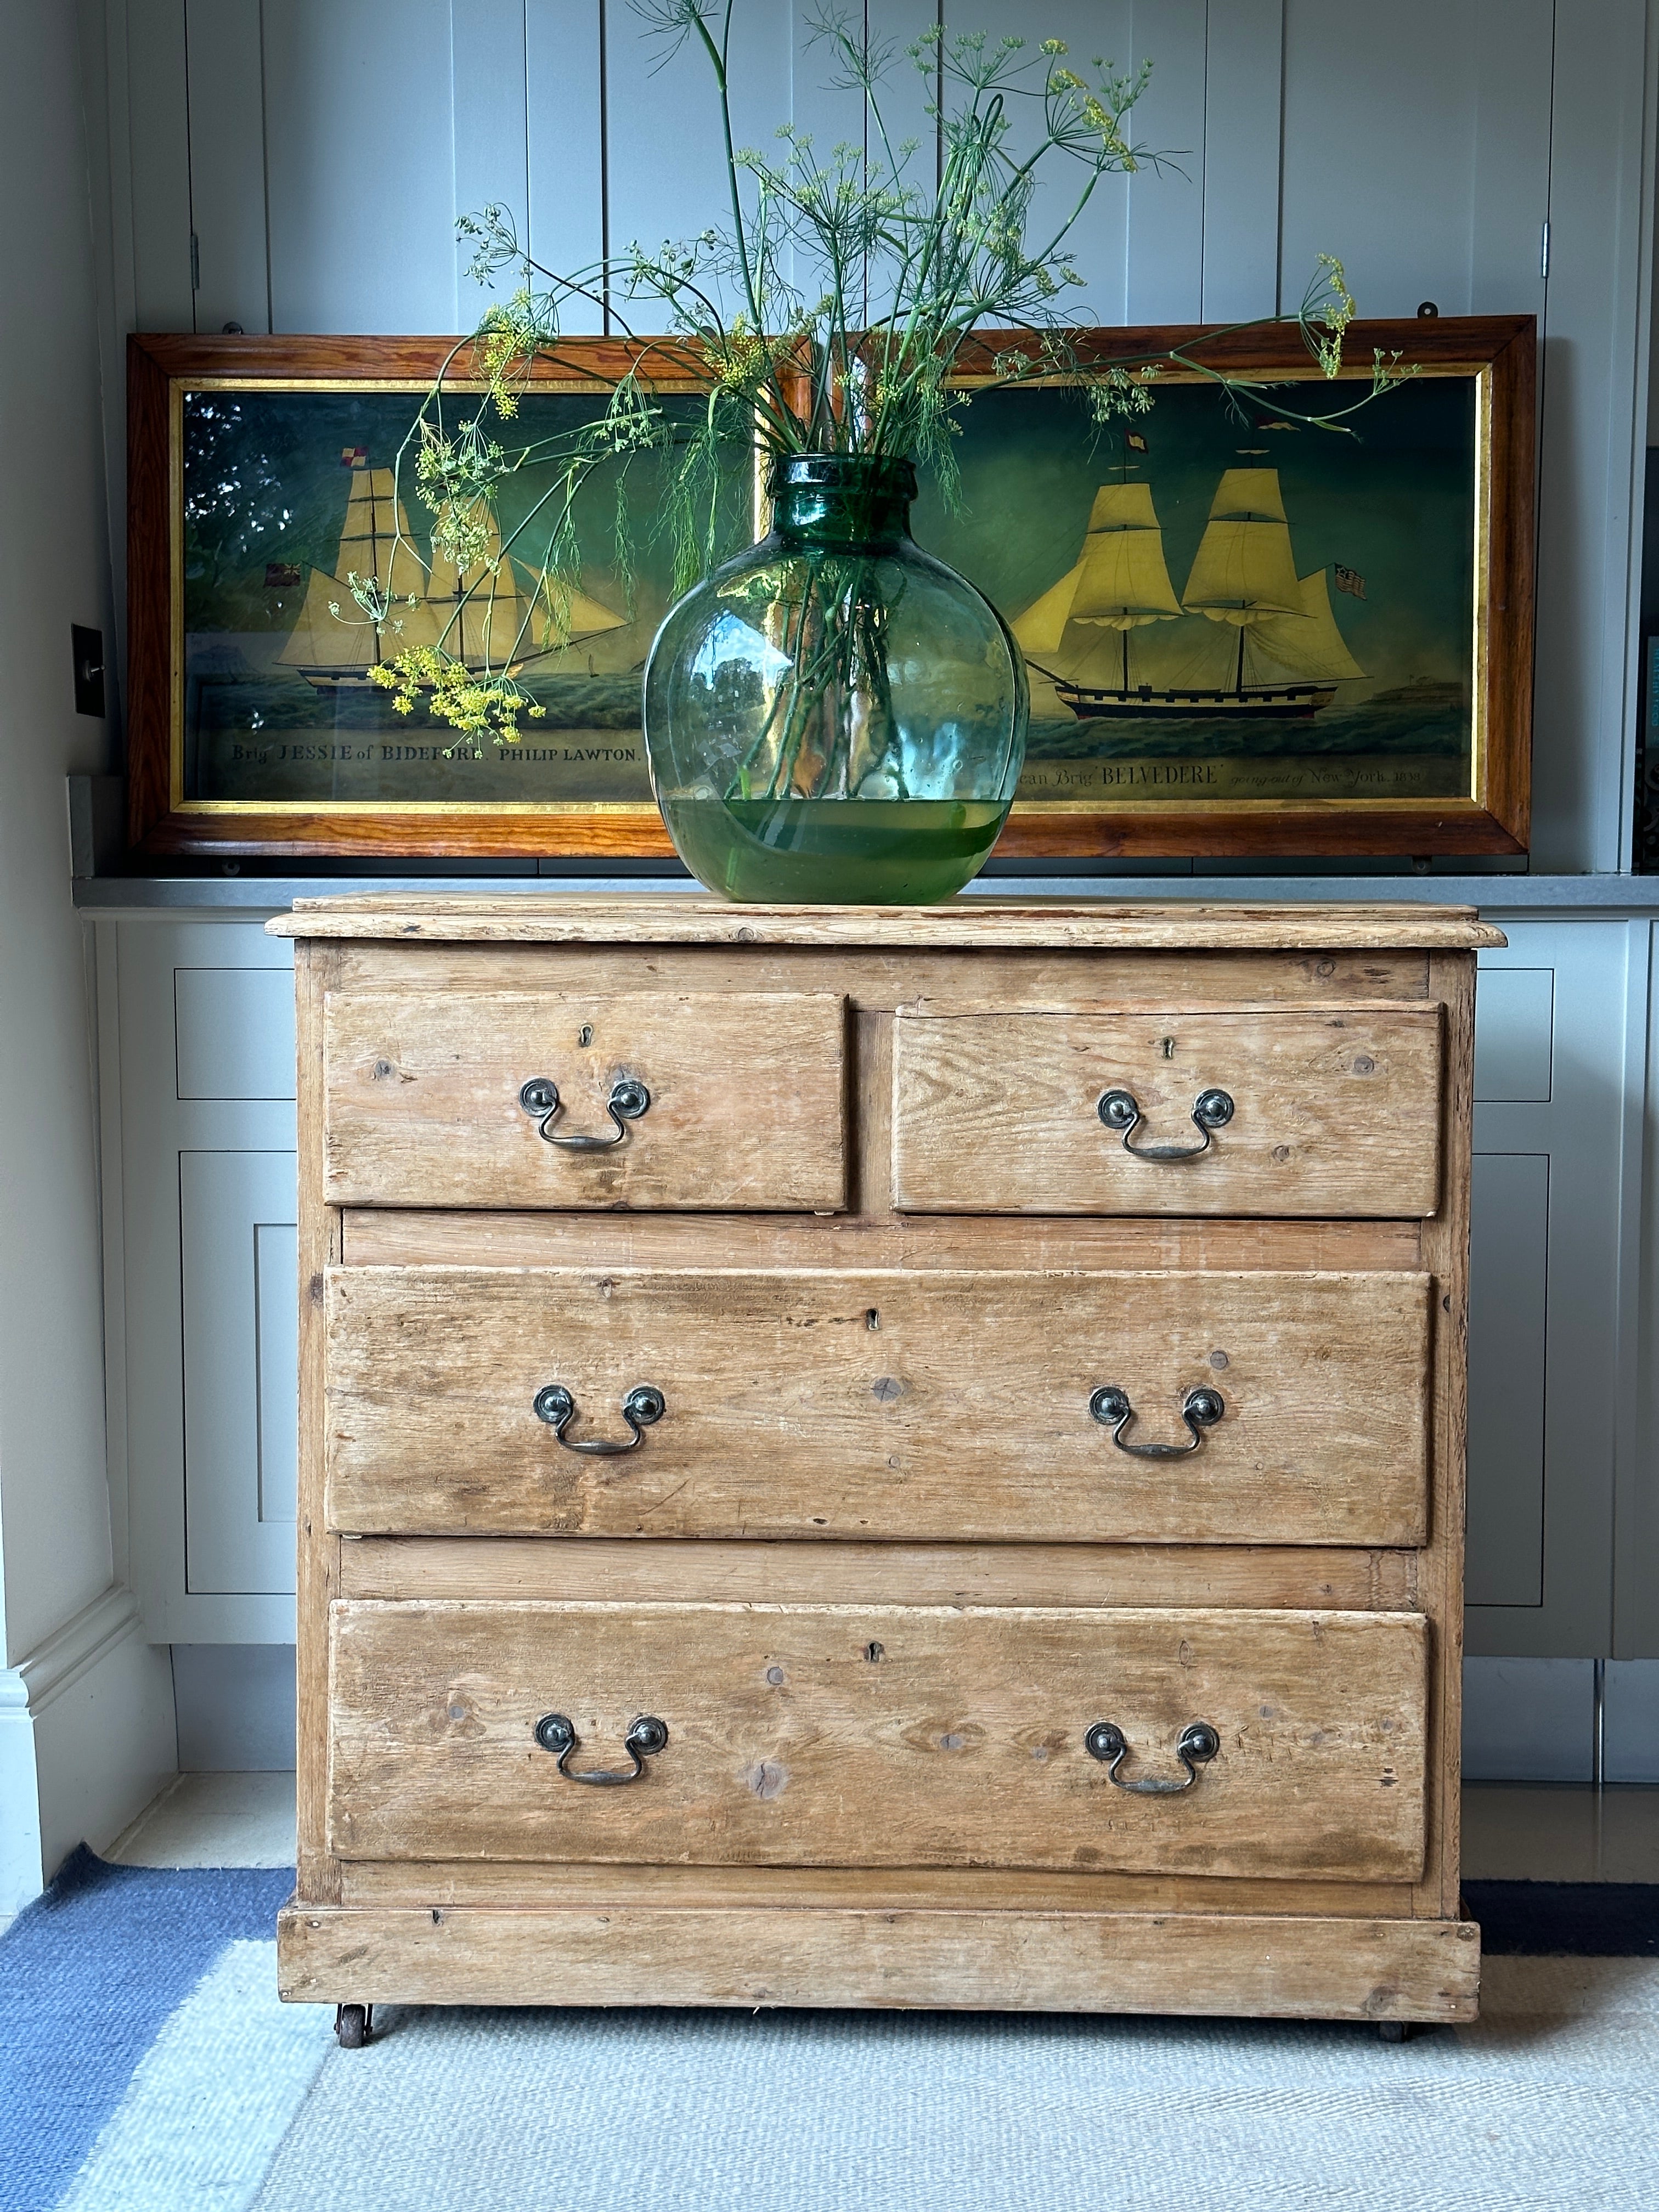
{"x": 835, "y": 716}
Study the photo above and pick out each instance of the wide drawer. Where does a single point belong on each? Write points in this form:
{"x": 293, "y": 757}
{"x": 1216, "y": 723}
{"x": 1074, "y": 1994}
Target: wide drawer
{"x": 1262, "y": 1406}
{"x": 881, "y": 1736}
{"x": 1329, "y": 1113}
{"x": 553, "y": 1099}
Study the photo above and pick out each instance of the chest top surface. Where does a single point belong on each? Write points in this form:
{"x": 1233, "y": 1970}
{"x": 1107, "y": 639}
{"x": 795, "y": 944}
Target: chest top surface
{"x": 974, "y": 923}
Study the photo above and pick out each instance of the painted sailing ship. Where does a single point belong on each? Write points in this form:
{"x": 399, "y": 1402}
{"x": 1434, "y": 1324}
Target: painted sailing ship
{"x": 1289, "y": 655}
{"x": 489, "y": 616}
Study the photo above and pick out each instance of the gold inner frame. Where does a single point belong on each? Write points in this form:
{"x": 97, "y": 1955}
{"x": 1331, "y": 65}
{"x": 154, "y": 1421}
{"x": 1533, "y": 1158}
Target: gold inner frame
{"x": 428, "y": 809}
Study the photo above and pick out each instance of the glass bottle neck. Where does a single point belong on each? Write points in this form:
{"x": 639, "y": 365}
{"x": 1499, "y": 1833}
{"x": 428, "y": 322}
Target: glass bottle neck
{"x": 830, "y": 501}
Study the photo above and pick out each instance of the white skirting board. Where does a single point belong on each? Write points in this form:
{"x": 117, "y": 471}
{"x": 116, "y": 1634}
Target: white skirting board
{"x": 87, "y": 1738}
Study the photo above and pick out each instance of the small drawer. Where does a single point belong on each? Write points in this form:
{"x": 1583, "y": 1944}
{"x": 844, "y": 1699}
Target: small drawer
{"x": 1326, "y": 1114}
{"x": 1156, "y": 1741}
{"x": 555, "y": 1099}
{"x": 986, "y": 1405}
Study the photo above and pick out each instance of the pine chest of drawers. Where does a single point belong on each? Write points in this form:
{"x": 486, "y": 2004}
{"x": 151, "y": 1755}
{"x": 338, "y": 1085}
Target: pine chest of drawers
{"x": 882, "y": 1457}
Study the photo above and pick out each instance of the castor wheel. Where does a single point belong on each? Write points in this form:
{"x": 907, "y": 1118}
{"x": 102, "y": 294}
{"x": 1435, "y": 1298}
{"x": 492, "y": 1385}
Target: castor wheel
{"x": 1396, "y": 2031}
{"x": 354, "y": 2024}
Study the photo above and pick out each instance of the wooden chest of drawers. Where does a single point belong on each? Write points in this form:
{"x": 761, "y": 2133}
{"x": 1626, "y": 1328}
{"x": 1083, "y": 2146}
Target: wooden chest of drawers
{"x": 889, "y": 1457}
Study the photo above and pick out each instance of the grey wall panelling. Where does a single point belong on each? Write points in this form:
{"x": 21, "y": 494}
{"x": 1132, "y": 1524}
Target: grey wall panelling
{"x": 361, "y": 164}
{"x": 1555, "y": 1256}
{"x": 226, "y": 89}
{"x": 1592, "y": 448}
{"x": 564, "y": 137}
{"x": 201, "y": 1244}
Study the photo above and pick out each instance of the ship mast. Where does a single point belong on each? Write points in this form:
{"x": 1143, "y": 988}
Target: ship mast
{"x": 1245, "y": 572}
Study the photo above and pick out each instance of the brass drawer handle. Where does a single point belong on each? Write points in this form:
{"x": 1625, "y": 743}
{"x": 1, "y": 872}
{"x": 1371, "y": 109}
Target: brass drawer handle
{"x": 1121, "y": 1110}
{"x": 1195, "y": 1746}
{"x": 641, "y": 1409}
{"x": 540, "y": 1099}
{"x": 646, "y": 1735}
{"x": 1201, "y": 1409}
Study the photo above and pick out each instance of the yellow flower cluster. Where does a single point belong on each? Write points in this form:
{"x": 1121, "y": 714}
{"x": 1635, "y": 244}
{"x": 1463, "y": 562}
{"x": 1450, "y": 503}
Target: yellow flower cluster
{"x": 479, "y": 703}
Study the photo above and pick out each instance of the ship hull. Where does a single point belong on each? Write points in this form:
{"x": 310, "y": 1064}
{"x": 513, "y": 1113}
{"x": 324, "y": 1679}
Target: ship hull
{"x": 1289, "y": 702}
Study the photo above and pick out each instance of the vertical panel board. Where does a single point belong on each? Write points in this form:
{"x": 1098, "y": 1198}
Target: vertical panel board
{"x": 1637, "y": 1566}
{"x": 227, "y": 163}
{"x": 158, "y": 127}
{"x": 1094, "y": 31}
{"x": 1592, "y": 421}
{"x": 830, "y": 110}
{"x": 360, "y": 151}
{"x": 1514, "y": 1035}
{"x": 665, "y": 164}
{"x": 1166, "y": 210}
{"x": 234, "y": 1032}
{"x": 1509, "y": 1269}
{"x": 1515, "y": 67}
{"x": 488, "y": 41}
{"x": 1585, "y": 1127}
{"x": 276, "y": 1344}
{"x": 1243, "y": 110}
{"x": 564, "y": 142}
{"x": 240, "y": 1438}
{"x": 245, "y": 1380}
{"x": 1380, "y": 111}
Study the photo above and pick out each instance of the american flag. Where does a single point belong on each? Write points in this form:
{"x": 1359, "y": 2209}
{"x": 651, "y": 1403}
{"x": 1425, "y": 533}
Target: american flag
{"x": 1350, "y": 580}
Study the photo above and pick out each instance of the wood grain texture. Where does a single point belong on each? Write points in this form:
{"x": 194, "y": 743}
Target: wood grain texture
{"x": 1011, "y": 1961}
{"x": 875, "y": 979}
{"x": 880, "y": 1735}
{"x": 912, "y": 1242}
{"x": 747, "y": 1100}
{"x": 1336, "y": 1113}
{"x": 949, "y": 1404}
{"x": 445, "y": 1882}
{"x": 756, "y": 1572}
{"x": 1446, "y": 1250}
{"x": 319, "y": 1233}
{"x": 1322, "y": 1939}
{"x": 694, "y": 918}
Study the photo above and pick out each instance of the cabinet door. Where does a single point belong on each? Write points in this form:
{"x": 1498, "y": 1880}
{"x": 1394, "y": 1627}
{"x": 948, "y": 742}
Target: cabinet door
{"x": 197, "y": 1066}
{"x": 238, "y": 1258}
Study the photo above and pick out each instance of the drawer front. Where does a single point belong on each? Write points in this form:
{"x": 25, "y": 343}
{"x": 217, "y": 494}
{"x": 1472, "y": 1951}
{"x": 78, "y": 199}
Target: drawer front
{"x": 935, "y": 1405}
{"x": 886, "y": 1735}
{"x": 702, "y": 1102}
{"x": 1329, "y": 1114}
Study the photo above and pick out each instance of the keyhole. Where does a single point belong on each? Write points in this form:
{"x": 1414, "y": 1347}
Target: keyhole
{"x": 872, "y": 1318}
{"x": 873, "y": 1652}
{"x": 1166, "y": 1046}
{"x": 585, "y": 1034}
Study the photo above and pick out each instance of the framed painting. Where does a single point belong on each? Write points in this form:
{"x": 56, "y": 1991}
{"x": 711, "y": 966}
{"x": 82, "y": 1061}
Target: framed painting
{"x": 1244, "y": 635}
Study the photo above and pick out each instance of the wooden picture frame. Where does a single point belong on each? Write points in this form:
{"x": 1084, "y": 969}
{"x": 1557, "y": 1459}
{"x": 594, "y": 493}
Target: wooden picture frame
{"x": 1483, "y": 806}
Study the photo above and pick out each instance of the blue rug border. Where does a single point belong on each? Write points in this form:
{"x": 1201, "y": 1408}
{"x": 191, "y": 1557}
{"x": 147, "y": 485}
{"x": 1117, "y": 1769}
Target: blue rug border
{"x": 89, "y": 1974}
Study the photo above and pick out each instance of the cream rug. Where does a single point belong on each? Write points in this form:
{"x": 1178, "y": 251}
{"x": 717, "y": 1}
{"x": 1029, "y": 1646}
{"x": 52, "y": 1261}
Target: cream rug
{"x": 1550, "y": 2101}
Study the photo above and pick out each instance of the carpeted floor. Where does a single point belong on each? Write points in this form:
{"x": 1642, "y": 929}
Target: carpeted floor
{"x": 146, "y": 2066}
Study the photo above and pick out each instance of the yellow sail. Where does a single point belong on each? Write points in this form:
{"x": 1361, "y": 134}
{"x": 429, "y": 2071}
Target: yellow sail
{"x": 561, "y": 619}
{"x": 1043, "y": 625}
{"x": 1119, "y": 580}
{"x": 374, "y": 546}
{"x": 1308, "y": 644}
{"x": 1122, "y": 581}
{"x": 1243, "y": 570}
